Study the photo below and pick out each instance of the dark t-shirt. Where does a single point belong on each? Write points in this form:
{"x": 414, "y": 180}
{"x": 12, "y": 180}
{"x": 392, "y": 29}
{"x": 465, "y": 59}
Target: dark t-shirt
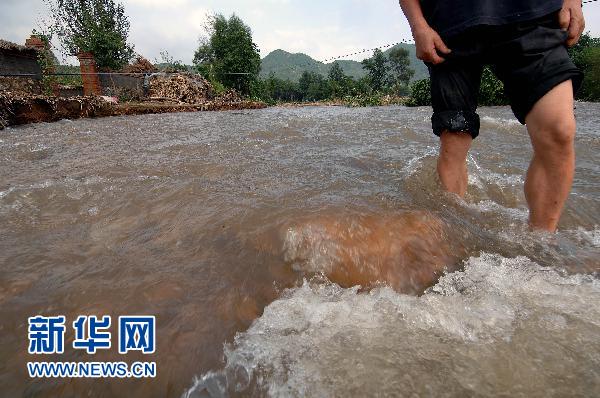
{"x": 449, "y": 17}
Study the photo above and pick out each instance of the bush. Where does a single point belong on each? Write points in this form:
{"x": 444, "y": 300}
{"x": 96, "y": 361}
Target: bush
{"x": 491, "y": 91}
{"x": 590, "y": 89}
{"x": 260, "y": 92}
{"x": 362, "y": 100}
{"x": 420, "y": 93}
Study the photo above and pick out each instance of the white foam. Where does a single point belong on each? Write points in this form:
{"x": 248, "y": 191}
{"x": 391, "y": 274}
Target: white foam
{"x": 479, "y": 175}
{"x": 415, "y": 163}
{"x": 500, "y": 121}
{"x": 501, "y": 326}
{"x": 588, "y": 236}
{"x": 489, "y": 206}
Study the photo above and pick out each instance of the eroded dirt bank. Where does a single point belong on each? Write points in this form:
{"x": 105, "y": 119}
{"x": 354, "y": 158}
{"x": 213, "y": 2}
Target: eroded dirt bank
{"x": 24, "y": 109}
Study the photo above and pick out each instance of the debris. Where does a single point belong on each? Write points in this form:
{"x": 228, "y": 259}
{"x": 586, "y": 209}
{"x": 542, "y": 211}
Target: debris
{"x": 180, "y": 87}
{"x": 110, "y": 100}
{"x": 140, "y": 65}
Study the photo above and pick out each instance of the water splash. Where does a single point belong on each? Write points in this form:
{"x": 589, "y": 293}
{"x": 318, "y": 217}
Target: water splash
{"x": 459, "y": 337}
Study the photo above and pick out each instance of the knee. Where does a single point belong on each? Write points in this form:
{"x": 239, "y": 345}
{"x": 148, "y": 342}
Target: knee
{"x": 555, "y": 136}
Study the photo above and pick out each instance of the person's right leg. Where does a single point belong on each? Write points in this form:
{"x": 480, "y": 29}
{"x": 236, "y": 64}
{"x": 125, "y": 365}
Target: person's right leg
{"x": 452, "y": 161}
{"x": 454, "y": 88}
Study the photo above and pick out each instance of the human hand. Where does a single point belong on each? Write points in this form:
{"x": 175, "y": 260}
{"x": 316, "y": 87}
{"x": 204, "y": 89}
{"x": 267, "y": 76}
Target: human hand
{"x": 570, "y": 19}
{"x": 429, "y": 45}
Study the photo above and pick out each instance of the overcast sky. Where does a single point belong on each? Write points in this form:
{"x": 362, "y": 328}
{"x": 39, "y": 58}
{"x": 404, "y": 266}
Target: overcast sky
{"x": 319, "y": 28}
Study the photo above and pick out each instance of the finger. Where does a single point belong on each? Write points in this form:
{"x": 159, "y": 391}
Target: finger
{"x": 575, "y": 29}
{"x": 441, "y": 46}
{"x": 564, "y": 18}
{"x": 424, "y": 55}
{"x": 427, "y": 56}
{"x": 435, "y": 58}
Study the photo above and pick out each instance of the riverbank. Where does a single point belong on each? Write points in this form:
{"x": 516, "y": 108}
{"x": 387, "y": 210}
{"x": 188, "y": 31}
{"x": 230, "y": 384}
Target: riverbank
{"x": 25, "y": 109}
{"x": 18, "y": 109}
{"x": 351, "y": 101}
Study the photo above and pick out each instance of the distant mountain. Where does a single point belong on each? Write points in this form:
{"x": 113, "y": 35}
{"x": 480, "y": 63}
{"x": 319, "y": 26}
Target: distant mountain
{"x": 290, "y": 66}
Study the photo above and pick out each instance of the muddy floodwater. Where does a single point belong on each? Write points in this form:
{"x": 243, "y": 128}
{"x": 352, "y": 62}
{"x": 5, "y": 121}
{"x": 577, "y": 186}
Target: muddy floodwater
{"x": 299, "y": 252}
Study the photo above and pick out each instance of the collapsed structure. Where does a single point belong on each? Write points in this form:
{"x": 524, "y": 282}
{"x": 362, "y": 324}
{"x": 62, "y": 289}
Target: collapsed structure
{"x": 140, "y": 87}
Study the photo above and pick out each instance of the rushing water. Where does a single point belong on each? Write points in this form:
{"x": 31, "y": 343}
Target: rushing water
{"x": 246, "y": 233}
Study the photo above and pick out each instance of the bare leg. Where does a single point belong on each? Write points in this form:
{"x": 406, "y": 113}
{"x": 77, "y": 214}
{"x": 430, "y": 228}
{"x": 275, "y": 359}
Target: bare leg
{"x": 551, "y": 127}
{"x": 452, "y": 162}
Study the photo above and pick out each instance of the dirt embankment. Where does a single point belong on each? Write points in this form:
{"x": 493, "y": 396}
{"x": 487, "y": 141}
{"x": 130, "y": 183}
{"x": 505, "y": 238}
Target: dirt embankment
{"x": 22, "y": 109}
{"x": 33, "y": 109}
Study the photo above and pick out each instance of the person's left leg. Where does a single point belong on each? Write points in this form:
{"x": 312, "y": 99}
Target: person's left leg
{"x": 539, "y": 79}
{"x": 551, "y": 127}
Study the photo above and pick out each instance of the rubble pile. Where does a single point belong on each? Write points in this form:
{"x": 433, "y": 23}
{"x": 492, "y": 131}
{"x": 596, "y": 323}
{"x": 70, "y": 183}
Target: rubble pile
{"x": 140, "y": 65}
{"x": 21, "y": 85}
{"x": 179, "y": 92}
{"x": 229, "y": 96}
{"x": 184, "y": 88}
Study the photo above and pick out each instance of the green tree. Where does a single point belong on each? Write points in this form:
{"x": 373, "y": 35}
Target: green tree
{"x": 585, "y": 56}
{"x": 339, "y": 83}
{"x": 420, "y": 93}
{"x": 377, "y": 68}
{"x": 228, "y": 53}
{"x": 313, "y": 87}
{"x": 47, "y": 62}
{"x": 576, "y": 52}
{"x": 491, "y": 90}
{"x": 97, "y": 26}
{"x": 400, "y": 68}
{"x": 336, "y": 73}
{"x": 590, "y": 60}
{"x": 275, "y": 89}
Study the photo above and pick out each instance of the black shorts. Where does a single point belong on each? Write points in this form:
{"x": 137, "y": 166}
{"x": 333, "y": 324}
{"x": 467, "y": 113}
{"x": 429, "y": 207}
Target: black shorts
{"x": 530, "y": 58}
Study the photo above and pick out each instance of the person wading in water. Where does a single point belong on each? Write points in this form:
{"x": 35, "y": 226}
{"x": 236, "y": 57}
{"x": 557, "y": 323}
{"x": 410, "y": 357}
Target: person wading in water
{"x": 525, "y": 43}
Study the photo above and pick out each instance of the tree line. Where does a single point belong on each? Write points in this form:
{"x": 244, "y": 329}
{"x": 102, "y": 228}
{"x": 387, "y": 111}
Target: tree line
{"x": 228, "y": 57}
{"x": 387, "y": 75}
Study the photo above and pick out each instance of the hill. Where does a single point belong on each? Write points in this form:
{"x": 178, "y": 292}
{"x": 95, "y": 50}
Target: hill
{"x": 415, "y": 63}
{"x": 290, "y": 66}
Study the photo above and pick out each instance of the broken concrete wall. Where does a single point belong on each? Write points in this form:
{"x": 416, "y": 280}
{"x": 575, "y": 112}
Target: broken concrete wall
{"x": 127, "y": 87}
{"x": 16, "y": 59}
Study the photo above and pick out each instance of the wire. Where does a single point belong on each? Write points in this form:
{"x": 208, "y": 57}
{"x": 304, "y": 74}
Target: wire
{"x": 85, "y": 74}
{"x": 326, "y": 61}
{"x": 403, "y": 41}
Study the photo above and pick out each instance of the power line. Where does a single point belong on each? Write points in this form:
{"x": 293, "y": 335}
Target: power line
{"x": 362, "y": 51}
{"x": 90, "y": 73}
{"x": 403, "y": 41}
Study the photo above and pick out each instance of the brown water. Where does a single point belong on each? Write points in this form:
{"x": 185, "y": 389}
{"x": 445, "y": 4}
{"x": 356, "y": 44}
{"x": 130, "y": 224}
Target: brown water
{"x": 229, "y": 227}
